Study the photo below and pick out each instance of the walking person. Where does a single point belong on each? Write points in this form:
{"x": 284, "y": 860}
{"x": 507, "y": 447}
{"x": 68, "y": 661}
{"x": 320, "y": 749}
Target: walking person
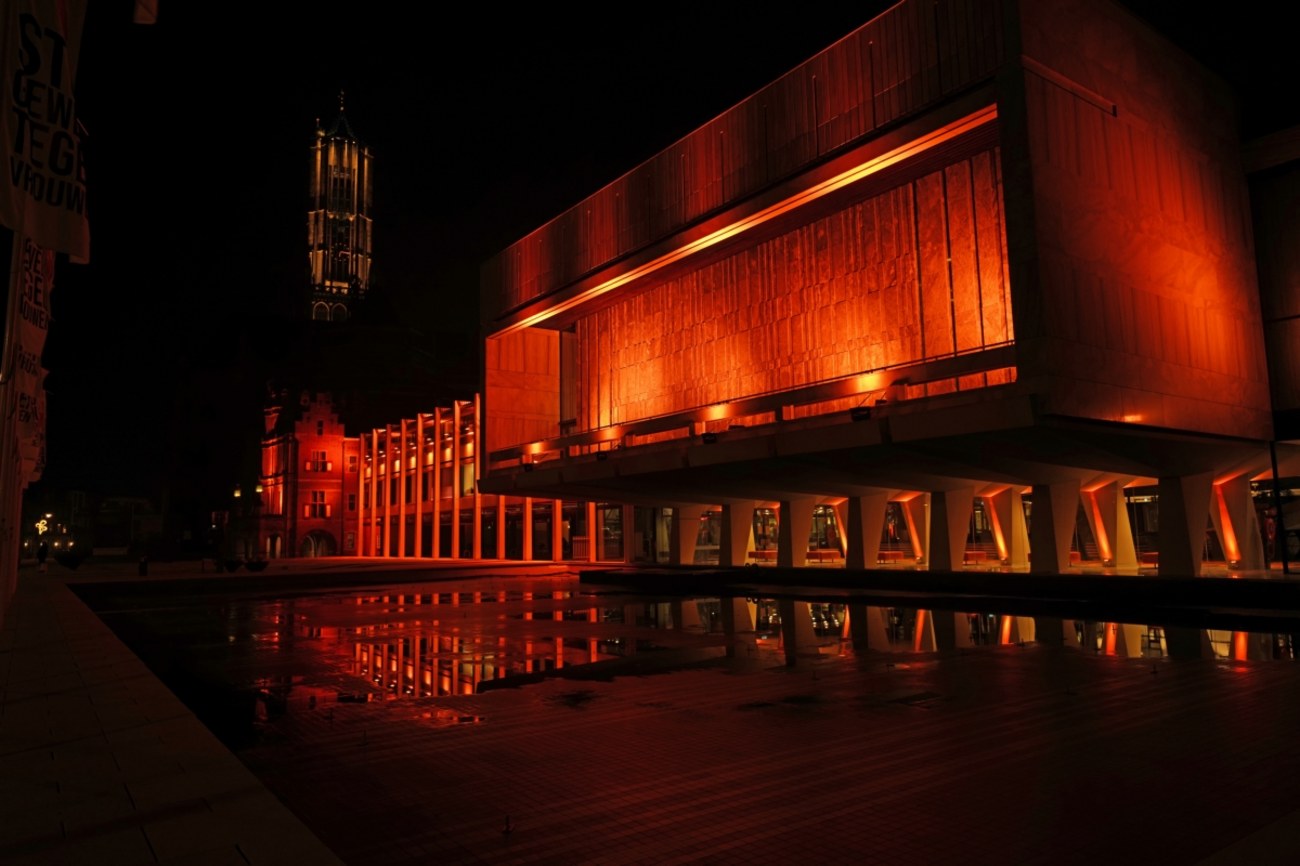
{"x": 42, "y": 554}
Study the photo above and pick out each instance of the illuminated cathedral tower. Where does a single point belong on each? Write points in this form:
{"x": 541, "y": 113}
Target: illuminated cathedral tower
{"x": 338, "y": 221}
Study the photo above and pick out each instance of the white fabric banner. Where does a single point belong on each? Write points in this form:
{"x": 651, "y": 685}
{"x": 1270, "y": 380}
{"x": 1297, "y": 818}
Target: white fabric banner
{"x": 43, "y": 191}
{"x": 33, "y": 272}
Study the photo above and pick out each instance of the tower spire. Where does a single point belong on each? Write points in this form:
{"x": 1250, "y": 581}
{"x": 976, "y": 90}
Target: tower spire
{"x": 339, "y": 220}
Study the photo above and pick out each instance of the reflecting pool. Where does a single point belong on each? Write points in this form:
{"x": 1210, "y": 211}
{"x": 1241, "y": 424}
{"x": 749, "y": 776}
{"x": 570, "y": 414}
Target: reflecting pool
{"x": 241, "y": 662}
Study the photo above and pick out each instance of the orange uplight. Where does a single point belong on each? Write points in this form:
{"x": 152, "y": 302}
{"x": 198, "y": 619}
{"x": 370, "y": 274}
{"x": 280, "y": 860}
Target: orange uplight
{"x": 1004, "y": 637}
{"x": 1103, "y": 539}
{"x": 860, "y": 172}
{"x": 999, "y": 533}
{"x": 1240, "y": 645}
{"x": 871, "y": 382}
{"x": 1228, "y": 535}
{"x": 1112, "y": 638}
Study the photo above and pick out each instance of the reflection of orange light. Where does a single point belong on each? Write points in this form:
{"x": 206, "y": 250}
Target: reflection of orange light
{"x": 853, "y": 175}
{"x": 999, "y": 536}
{"x": 1099, "y": 526}
{"x": 1228, "y": 533}
{"x": 918, "y": 640}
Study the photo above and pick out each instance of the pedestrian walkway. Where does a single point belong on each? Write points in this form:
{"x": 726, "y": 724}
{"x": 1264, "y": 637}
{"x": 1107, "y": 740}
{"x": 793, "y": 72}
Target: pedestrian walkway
{"x": 1015, "y": 754}
{"x": 101, "y": 764}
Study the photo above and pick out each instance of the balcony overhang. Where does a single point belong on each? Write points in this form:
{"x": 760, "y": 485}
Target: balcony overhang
{"x": 994, "y": 436}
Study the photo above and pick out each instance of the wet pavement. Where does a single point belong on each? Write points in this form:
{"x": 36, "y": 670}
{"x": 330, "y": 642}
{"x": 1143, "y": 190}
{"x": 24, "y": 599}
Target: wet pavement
{"x": 544, "y": 719}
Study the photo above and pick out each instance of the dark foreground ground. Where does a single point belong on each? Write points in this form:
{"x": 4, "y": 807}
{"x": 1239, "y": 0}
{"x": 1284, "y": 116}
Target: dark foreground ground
{"x": 1009, "y": 754}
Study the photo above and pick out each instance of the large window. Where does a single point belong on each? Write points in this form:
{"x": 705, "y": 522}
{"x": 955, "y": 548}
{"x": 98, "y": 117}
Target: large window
{"x": 316, "y": 507}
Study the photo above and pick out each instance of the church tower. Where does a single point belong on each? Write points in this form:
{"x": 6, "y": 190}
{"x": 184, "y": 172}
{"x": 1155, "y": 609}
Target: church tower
{"x": 339, "y": 221}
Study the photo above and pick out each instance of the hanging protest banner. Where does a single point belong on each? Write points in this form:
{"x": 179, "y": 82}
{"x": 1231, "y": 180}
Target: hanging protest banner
{"x": 33, "y": 277}
{"x": 43, "y": 190}
{"x": 43, "y": 186}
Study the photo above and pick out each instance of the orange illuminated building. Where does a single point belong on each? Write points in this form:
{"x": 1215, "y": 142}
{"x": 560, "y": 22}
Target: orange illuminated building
{"x": 977, "y": 283}
{"x": 409, "y": 489}
{"x": 308, "y": 482}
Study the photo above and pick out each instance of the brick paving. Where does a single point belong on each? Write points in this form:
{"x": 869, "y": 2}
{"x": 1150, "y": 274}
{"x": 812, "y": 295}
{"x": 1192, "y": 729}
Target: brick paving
{"x": 999, "y": 755}
{"x": 1023, "y": 755}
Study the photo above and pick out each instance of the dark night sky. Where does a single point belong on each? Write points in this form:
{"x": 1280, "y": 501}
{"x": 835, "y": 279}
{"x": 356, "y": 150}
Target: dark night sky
{"x": 484, "y": 124}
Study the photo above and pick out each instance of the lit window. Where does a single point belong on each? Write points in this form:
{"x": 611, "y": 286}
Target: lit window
{"x": 317, "y": 507}
{"x": 319, "y": 462}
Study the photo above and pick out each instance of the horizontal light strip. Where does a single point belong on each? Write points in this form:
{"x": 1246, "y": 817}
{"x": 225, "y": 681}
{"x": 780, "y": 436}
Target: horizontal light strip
{"x": 913, "y": 148}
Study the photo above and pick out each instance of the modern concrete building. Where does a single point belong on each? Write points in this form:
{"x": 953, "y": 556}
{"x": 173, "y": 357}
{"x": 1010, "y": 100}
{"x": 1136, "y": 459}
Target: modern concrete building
{"x": 980, "y": 278}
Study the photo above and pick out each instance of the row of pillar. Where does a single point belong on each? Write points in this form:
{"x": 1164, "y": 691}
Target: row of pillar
{"x": 938, "y": 523}
{"x": 867, "y": 627}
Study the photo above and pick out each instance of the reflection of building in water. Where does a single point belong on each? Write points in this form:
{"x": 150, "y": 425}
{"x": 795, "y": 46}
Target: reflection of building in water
{"x": 421, "y": 644}
{"x": 803, "y": 628}
{"x": 969, "y": 279}
{"x": 435, "y": 642}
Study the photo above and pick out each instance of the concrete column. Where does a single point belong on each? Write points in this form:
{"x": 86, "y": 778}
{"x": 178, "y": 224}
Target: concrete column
{"x": 950, "y": 512}
{"x": 686, "y": 615}
{"x": 1007, "y": 513}
{"x": 1087, "y": 639}
{"x": 455, "y": 478}
{"x": 1187, "y": 642}
{"x": 435, "y": 520}
{"x": 1123, "y": 640}
{"x": 1184, "y": 505}
{"x": 388, "y": 490}
{"x": 528, "y": 529}
{"x": 737, "y": 533}
{"x": 365, "y": 538}
{"x": 738, "y": 625}
{"x": 477, "y": 454}
{"x": 878, "y": 628}
{"x": 862, "y": 527}
{"x": 1014, "y": 629}
{"x": 686, "y": 529}
{"x": 794, "y": 527}
{"x": 923, "y": 634}
{"x": 501, "y": 527}
{"x": 1233, "y": 511}
{"x": 557, "y": 530}
{"x": 917, "y": 513}
{"x": 420, "y": 449}
{"x": 797, "y": 635}
{"x": 1052, "y": 528}
{"x": 629, "y": 532}
{"x": 960, "y": 625}
{"x": 1108, "y": 518}
{"x": 403, "y": 471}
{"x": 595, "y": 534}
{"x": 1053, "y": 631}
